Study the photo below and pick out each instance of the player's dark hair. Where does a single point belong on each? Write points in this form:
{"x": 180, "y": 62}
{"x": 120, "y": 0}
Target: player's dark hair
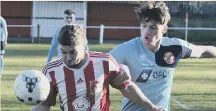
{"x": 69, "y": 11}
{"x": 153, "y": 10}
{"x": 71, "y": 34}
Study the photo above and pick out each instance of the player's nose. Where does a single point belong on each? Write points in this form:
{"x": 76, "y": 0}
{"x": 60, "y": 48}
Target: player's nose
{"x": 149, "y": 30}
{"x": 68, "y": 57}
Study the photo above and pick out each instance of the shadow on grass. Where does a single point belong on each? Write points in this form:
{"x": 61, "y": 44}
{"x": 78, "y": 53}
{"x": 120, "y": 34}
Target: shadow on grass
{"x": 8, "y": 78}
{"x": 192, "y": 94}
{"x": 193, "y": 79}
{"x": 193, "y": 110}
{"x": 28, "y": 53}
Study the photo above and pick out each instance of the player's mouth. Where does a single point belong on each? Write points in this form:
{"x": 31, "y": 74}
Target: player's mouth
{"x": 72, "y": 62}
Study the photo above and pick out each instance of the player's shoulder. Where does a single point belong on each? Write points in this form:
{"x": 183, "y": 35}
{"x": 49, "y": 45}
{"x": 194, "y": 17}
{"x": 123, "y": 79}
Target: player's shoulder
{"x": 52, "y": 65}
{"x": 125, "y": 46}
{"x": 1, "y": 18}
{"x": 2, "y": 21}
{"x": 100, "y": 56}
{"x": 95, "y": 54}
{"x": 58, "y": 30}
{"x": 131, "y": 42}
{"x": 167, "y": 41}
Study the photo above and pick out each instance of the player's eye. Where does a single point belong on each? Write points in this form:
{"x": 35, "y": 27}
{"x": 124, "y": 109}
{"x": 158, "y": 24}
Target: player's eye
{"x": 144, "y": 25}
{"x": 73, "y": 52}
{"x": 68, "y": 17}
{"x": 154, "y": 27}
{"x": 63, "y": 52}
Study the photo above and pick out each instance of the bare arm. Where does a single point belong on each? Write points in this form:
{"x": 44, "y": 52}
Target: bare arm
{"x": 133, "y": 93}
{"x": 53, "y": 47}
{"x": 40, "y": 108}
{"x": 5, "y": 30}
{"x": 203, "y": 51}
{"x": 6, "y": 33}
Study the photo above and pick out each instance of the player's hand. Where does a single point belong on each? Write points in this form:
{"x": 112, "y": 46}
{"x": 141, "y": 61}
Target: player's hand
{"x": 157, "y": 108}
{"x": 122, "y": 77}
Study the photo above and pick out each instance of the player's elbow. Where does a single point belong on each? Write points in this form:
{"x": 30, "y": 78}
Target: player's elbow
{"x": 207, "y": 51}
{"x": 129, "y": 89}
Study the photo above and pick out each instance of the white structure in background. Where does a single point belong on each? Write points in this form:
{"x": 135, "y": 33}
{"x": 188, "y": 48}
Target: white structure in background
{"x": 49, "y": 15}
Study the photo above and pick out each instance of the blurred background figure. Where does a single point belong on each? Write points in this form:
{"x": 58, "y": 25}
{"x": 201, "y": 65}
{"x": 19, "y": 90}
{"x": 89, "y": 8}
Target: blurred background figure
{"x": 3, "y": 41}
{"x": 69, "y": 18}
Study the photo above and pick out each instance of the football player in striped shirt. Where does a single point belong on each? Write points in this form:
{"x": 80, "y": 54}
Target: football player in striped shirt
{"x": 82, "y": 78}
{"x": 3, "y": 42}
{"x": 69, "y": 19}
{"x": 152, "y": 58}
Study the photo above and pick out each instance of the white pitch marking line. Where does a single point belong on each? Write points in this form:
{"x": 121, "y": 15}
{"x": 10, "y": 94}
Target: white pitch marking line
{"x": 180, "y": 104}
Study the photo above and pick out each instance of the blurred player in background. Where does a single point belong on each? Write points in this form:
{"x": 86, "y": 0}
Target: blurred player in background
{"x": 82, "y": 78}
{"x": 69, "y": 18}
{"x": 152, "y": 58}
{"x": 3, "y": 41}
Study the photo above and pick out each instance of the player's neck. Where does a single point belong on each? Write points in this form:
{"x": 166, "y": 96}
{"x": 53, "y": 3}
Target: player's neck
{"x": 82, "y": 62}
{"x": 155, "y": 47}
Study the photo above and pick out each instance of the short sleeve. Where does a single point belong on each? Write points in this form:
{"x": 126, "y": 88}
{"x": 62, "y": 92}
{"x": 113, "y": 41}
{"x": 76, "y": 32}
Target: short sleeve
{"x": 55, "y": 37}
{"x": 186, "y": 47}
{"x": 114, "y": 70}
{"x": 119, "y": 53}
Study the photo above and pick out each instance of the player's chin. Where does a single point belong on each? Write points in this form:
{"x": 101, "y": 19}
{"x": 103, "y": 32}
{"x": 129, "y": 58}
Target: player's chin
{"x": 70, "y": 64}
{"x": 69, "y": 23}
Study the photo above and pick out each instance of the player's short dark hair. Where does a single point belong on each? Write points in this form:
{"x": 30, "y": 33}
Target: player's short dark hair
{"x": 153, "y": 10}
{"x": 69, "y": 12}
{"x": 71, "y": 34}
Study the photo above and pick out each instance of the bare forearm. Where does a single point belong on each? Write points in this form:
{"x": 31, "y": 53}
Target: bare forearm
{"x": 40, "y": 108}
{"x": 6, "y": 36}
{"x": 6, "y": 39}
{"x": 133, "y": 93}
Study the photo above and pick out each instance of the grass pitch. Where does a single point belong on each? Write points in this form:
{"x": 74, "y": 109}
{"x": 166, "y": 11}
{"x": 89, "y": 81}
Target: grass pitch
{"x": 194, "y": 81}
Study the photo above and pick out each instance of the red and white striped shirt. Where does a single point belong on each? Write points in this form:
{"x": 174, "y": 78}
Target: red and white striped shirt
{"x": 83, "y": 89}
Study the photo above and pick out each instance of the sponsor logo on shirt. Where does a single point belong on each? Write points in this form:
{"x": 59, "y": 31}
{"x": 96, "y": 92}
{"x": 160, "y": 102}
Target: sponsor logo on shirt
{"x": 145, "y": 75}
{"x": 161, "y": 74}
{"x": 169, "y": 58}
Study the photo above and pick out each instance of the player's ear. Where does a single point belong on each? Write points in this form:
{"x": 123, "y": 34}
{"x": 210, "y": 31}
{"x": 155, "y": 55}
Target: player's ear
{"x": 165, "y": 28}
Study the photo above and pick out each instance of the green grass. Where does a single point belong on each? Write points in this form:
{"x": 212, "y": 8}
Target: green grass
{"x": 194, "y": 80}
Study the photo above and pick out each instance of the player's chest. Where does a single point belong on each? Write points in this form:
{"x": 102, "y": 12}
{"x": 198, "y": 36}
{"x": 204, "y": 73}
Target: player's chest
{"x": 81, "y": 83}
{"x": 151, "y": 74}
{"x": 84, "y": 88}
{"x": 166, "y": 56}
{"x": 144, "y": 69}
